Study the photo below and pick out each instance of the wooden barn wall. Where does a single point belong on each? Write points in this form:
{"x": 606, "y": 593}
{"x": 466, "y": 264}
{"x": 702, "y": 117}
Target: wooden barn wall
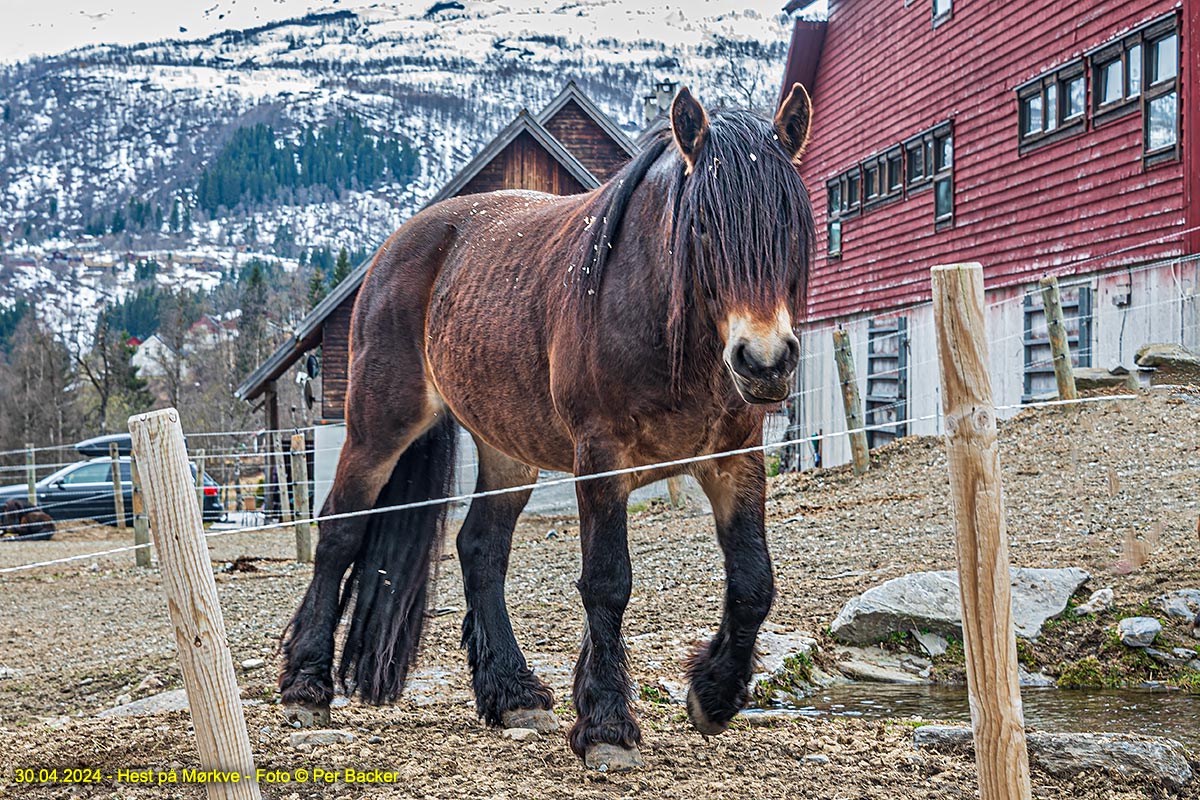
{"x": 587, "y": 141}
{"x": 335, "y": 360}
{"x": 524, "y": 164}
{"x": 1162, "y": 306}
{"x": 887, "y": 74}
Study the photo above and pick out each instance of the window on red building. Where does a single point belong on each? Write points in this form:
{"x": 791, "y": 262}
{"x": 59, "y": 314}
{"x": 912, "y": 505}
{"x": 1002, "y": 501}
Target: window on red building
{"x": 1140, "y": 70}
{"x": 942, "y": 11}
{"x": 1052, "y": 107}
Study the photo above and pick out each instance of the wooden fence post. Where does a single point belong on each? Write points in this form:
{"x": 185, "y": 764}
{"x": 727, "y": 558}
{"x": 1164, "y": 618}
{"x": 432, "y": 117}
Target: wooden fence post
{"x": 1064, "y": 373}
{"x": 141, "y": 526}
{"x": 200, "y": 479}
{"x": 304, "y": 549}
{"x": 200, "y": 637}
{"x": 981, "y": 542}
{"x": 114, "y": 456}
{"x": 30, "y": 475}
{"x": 281, "y": 482}
{"x": 851, "y": 401}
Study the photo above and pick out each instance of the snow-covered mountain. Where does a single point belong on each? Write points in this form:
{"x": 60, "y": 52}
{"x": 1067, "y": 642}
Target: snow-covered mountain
{"x": 107, "y": 128}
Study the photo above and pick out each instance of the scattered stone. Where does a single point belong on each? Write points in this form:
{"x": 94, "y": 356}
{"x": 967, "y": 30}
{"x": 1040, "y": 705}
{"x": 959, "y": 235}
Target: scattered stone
{"x": 1087, "y": 378}
{"x": 1155, "y": 759}
{"x": 1101, "y": 600}
{"x": 521, "y": 734}
{"x": 374, "y": 739}
{"x": 775, "y": 648}
{"x": 816, "y": 758}
{"x": 149, "y": 684}
{"x": 1033, "y": 680}
{"x": 1138, "y": 631}
{"x": 552, "y": 534}
{"x": 929, "y": 601}
{"x": 1184, "y": 653}
{"x": 1183, "y": 603}
{"x": 174, "y": 700}
{"x": 1170, "y": 659}
{"x": 931, "y": 643}
{"x": 879, "y": 666}
{"x": 8, "y": 673}
{"x": 123, "y": 699}
{"x": 253, "y": 663}
{"x": 312, "y": 738}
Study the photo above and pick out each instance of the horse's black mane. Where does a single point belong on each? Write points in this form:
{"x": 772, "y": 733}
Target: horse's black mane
{"x": 746, "y": 199}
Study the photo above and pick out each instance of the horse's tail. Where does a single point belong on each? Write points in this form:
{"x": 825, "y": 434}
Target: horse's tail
{"x": 399, "y": 553}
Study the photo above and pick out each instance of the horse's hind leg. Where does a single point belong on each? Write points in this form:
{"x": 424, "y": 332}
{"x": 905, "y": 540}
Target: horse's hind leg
{"x": 506, "y": 691}
{"x": 720, "y": 672}
{"x": 373, "y": 446}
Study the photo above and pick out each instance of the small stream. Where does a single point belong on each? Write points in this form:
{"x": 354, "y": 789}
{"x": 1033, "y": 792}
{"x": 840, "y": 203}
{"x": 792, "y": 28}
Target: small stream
{"x": 1172, "y": 714}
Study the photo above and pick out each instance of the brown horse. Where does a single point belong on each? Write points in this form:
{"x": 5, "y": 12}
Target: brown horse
{"x": 648, "y": 320}
{"x": 24, "y": 521}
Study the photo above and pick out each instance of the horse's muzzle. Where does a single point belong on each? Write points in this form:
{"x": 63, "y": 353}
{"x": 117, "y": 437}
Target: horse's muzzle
{"x": 763, "y": 392}
{"x": 762, "y": 370}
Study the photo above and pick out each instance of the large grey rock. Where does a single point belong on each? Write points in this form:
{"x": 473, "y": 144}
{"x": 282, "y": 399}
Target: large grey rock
{"x": 1138, "y": 631}
{"x": 1154, "y": 759}
{"x": 1167, "y": 357}
{"x": 929, "y": 601}
{"x": 1182, "y": 603}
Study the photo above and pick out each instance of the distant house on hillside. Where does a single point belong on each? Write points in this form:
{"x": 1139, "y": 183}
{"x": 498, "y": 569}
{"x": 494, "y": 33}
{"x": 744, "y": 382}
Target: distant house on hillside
{"x": 1036, "y": 138}
{"x": 571, "y": 146}
{"x": 151, "y": 357}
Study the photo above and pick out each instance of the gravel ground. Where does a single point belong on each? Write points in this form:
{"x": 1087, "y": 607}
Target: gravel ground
{"x": 1078, "y": 484}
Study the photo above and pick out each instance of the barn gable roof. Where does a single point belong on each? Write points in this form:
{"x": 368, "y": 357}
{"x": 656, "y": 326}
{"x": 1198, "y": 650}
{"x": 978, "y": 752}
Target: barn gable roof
{"x": 571, "y": 93}
{"x": 308, "y": 332}
{"x": 524, "y": 123}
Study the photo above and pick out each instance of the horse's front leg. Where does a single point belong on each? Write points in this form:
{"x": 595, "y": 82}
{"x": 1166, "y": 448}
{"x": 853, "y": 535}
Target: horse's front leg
{"x": 720, "y": 671}
{"x": 605, "y": 734}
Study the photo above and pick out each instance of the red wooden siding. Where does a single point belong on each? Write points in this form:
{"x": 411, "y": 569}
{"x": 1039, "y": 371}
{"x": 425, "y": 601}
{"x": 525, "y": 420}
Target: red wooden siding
{"x": 524, "y": 164}
{"x": 887, "y": 74}
{"x": 586, "y": 140}
{"x": 335, "y": 359}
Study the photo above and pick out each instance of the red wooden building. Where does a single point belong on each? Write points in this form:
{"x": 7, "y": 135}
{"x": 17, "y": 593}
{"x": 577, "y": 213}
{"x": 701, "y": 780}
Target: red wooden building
{"x": 571, "y": 146}
{"x": 1037, "y": 138}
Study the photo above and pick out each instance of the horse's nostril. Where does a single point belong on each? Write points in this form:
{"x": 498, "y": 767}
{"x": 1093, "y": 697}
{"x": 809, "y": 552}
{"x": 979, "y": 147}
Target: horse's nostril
{"x": 740, "y": 364}
{"x": 792, "y": 357}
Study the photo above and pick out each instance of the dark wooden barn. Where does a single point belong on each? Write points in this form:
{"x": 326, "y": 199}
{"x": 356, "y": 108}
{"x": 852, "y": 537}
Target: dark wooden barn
{"x": 569, "y": 147}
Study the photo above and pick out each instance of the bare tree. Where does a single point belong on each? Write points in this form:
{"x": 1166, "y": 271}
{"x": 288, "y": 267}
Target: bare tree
{"x": 747, "y": 74}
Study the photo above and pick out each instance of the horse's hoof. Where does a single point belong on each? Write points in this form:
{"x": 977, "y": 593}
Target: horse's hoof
{"x": 306, "y": 716}
{"x": 700, "y": 721}
{"x": 540, "y": 719}
{"x": 612, "y": 758}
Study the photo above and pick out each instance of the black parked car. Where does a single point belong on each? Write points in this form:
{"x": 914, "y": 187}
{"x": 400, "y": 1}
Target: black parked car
{"x": 85, "y": 491}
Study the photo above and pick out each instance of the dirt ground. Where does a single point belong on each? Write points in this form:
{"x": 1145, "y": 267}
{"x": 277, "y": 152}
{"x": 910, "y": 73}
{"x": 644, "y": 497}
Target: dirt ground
{"x": 1080, "y": 485}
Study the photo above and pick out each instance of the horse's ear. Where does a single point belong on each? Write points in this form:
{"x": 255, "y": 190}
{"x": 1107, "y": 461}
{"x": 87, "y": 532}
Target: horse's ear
{"x": 689, "y": 123}
{"x": 792, "y": 121}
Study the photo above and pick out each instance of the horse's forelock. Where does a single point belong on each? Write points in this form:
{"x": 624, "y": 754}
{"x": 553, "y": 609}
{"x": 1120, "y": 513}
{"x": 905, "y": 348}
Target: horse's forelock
{"x": 744, "y": 226}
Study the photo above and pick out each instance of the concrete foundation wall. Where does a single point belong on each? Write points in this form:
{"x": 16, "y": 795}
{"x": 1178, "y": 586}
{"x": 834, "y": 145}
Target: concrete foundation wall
{"x": 1130, "y": 307}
